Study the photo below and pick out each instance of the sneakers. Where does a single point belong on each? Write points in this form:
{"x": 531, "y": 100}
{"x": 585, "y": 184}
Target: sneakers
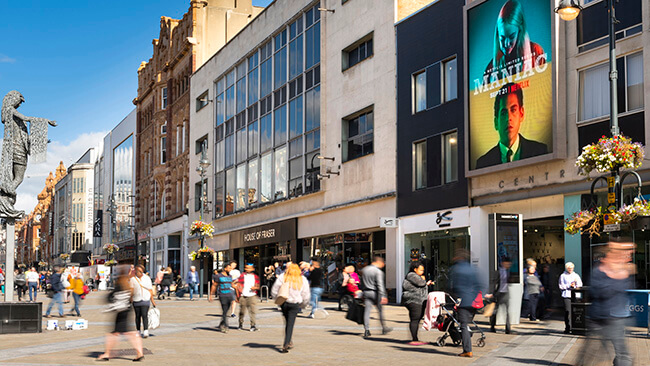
{"x": 254, "y": 329}
{"x": 233, "y": 315}
{"x": 311, "y": 315}
{"x": 366, "y": 334}
{"x": 465, "y": 354}
{"x": 386, "y": 330}
{"x": 145, "y": 334}
{"x": 417, "y": 343}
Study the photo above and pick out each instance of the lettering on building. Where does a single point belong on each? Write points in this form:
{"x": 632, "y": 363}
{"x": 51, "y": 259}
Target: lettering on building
{"x": 261, "y": 234}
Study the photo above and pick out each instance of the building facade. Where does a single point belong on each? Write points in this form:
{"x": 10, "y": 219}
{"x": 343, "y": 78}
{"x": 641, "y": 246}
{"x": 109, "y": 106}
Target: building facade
{"x": 162, "y": 130}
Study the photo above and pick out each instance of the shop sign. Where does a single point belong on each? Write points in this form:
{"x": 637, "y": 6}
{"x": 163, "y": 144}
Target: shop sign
{"x": 443, "y": 219}
{"x": 98, "y": 225}
{"x": 610, "y": 223}
{"x": 388, "y": 222}
{"x": 265, "y": 234}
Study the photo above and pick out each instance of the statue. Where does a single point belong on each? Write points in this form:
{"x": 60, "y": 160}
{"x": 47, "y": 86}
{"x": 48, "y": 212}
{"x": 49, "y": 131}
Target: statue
{"x": 18, "y": 143}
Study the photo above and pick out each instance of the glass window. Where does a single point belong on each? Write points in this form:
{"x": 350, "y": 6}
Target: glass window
{"x": 241, "y": 94}
{"x": 266, "y": 178}
{"x": 197, "y": 196}
{"x": 280, "y": 67}
{"x": 164, "y": 98}
{"x": 253, "y": 82}
{"x": 420, "y": 91}
{"x": 280, "y": 125}
{"x": 221, "y": 156}
{"x": 295, "y": 147}
{"x": 358, "y": 136}
{"x": 312, "y": 167}
{"x": 295, "y": 28}
{"x": 635, "y": 81}
{"x": 252, "y": 61}
{"x": 280, "y": 173}
{"x": 266, "y": 75}
{"x": 312, "y": 140}
{"x": 230, "y": 78}
{"x": 450, "y": 157}
{"x": 266, "y": 129}
{"x": 230, "y": 191}
{"x": 312, "y": 109}
{"x": 230, "y": 102}
{"x": 220, "y": 107}
{"x": 230, "y": 151}
{"x": 218, "y": 194}
{"x": 202, "y": 100}
{"x": 594, "y": 92}
{"x": 280, "y": 40}
{"x": 253, "y": 173}
{"x": 253, "y": 139}
{"x": 295, "y": 117}
{"x": 241, "y": 199}
{"x": 295, "y": 177}
{"x": 312, "y": 45}
{"x": 420, "y": 164}
{"x": 451, "y": 80}
{"x": 242, "y": 152}
{"x": 295, "y": 57}
{"x": 354, "y": 55}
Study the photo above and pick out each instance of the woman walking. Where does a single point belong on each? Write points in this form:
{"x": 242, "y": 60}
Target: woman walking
{"x": 77, "y": 287}
{"x": 297, "y": 291}
{"x": 21, "y": 283}
{"x": 165, "y": 284}
{"x": 222, "y": 286}
{"x": 533, "y": 289}
{"x": 120, "y": 305}
{"x": 414, "y": 298}
{"x": 142, "y": 291}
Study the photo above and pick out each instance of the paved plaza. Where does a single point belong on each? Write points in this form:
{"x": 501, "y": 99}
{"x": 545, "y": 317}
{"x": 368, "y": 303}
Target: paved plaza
{"x": 188, "y": 336}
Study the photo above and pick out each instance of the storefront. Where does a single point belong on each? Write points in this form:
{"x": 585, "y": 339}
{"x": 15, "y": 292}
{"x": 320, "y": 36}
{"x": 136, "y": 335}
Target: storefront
{"x": 266, "y": 244}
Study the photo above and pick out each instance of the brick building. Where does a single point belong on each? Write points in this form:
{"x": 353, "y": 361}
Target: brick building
{"x": 163, "y": 103}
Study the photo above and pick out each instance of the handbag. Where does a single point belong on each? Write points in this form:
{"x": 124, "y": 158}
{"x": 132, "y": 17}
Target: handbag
{"x": 489, "y": 309}
{"x": 283, "y": 294}
{"x": 478, "y": 302}
{"x": 154, "y": 317}
{"x": 355, "y": 312}
{"x": 65, "y": 283}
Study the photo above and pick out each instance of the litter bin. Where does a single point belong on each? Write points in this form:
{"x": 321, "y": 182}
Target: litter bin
{"x": 638, "y": 308}
{"x": 579, "y": 307}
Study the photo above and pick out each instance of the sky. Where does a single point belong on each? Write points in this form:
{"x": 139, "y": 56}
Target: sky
{"x": 76, "y": 62}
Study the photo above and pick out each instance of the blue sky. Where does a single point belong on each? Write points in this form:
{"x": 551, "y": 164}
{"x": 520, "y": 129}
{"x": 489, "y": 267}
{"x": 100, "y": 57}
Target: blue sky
{"x": 76, "y": 62}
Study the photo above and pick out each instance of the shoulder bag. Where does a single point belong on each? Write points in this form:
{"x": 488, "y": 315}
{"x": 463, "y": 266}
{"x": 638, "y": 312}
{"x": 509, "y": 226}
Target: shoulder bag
{"x": 151, "y": 292}
{"x": 283, "y": 294}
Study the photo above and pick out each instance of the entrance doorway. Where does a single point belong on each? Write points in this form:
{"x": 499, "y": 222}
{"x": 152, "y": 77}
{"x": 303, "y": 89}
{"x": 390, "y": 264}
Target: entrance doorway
{"x": 435, "y": 250}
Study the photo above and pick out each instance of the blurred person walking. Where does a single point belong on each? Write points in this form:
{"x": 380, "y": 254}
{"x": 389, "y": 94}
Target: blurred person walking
{"x": 192, "y": 282}
{"x": 32, "y": 283}
{"x": 120, "y": 304}
{"x": 222, "y": 287}
{"x": 414, "y": 298}
{"x": 234, "y": 274}
{"x": 142, "y": 299}
{"x": 77, "y": 289}
{"x": 296, "y": 288}
{"x": 249, "y": 283}
{"x": 374, "y": 293}
{"x": 57, "y": 292}
{"x": 20, "y": 282}
{"x": 315, "y": 278}
{"x": 166, "y": 283}
{"x": 500, "y": 294}
{"x": 466, "y": 286}
{"x": 568, "y": 281}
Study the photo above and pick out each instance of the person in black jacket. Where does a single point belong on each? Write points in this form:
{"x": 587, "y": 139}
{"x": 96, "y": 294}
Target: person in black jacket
{"x": 57, "y": 288}
{"x": 500, "y": 293}
{"x": 165, "y": 284}
{"x": 414, "y": 298}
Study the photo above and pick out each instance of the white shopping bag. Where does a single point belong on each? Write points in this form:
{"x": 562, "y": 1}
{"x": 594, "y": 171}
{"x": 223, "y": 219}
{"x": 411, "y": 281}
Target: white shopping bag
{"x": 154, "y": 318}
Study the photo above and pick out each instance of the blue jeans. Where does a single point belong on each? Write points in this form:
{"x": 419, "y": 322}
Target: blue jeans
{"x": 314, "y": 300}
{"x": 33, "y": 286}
{"x": 194, "y": 289}
{"x": 77, "y": 301}
{"x": 56, "y": 298}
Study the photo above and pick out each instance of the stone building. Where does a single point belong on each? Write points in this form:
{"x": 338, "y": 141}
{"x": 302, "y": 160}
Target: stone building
{"x": 162, "y": 130}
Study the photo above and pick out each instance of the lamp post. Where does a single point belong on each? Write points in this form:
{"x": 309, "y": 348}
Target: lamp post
{"x": 202, "y": 169}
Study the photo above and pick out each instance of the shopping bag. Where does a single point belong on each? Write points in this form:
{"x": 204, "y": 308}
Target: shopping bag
{"x": 283, "y": 294}
{"x": 154, "y": 318}
{"x": 488, "y": 310}
{"x": 355, "y": 312}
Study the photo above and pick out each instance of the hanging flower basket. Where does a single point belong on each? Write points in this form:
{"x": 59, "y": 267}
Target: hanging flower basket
{"x": 42, "y": 264}
{"x": 202, "y": 228}
{"x": 636, "y": 214}
{"x": 110, "y": 248}
{"x": 64, "y": 256}
{"x": 110, "y": 263}
{"x": 21, "y": 265}
{"x": 610, "y": 154}
{"x": 204, "y": 252}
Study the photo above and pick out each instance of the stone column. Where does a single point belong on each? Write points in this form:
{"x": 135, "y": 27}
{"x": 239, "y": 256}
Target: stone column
{"x": 9, "y": 260}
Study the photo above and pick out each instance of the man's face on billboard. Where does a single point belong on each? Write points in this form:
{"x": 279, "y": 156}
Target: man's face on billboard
{"x": 509, "y": 119}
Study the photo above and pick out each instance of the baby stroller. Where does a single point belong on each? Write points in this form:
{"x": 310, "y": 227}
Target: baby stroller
{"x": 448, "y": 324}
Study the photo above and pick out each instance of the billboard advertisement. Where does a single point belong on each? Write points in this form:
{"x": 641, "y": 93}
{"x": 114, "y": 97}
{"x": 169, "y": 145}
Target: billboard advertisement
{"x": 510, "y": 116}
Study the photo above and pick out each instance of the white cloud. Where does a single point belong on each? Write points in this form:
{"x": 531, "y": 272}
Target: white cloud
{"x": 6, "y": 59}
{"x": 34, "y": 180}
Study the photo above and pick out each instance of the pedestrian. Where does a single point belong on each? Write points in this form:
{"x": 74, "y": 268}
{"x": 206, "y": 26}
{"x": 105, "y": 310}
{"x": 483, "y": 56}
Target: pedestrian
{"x": 249, "y": 283}
{"x": 235, "y": 274}
{"x": 609, "y": 301}
{"x": 20, "y": 282}
{"x": 120, "y": 305}
{"x": 374, "y": 293}
{"x": 32, "y": 283}
{"x": 568, "y": 281}
{"x": 158, "y": 281}
{"x": 500, "y": 293}
{"x": 351, "y": 281}
{"x": 315, "y": 278}
{"x": 466, "y": 286}
{"x": 222, "y": 287}
{"x": 142, "y": 299}
{"x": 193, "y": 282}
{"x": 533, "y": 289}
{"x": 279, "y": 269}
{"x": 166, "y": 282}
{"x": 298, "y": 296}
{"x": 2, "y": 282}
{"x": 77, "y": 289}
{"x": 414, "y": 298}
{"x": 57, "y": 292}
{"x": 546, "y": 297}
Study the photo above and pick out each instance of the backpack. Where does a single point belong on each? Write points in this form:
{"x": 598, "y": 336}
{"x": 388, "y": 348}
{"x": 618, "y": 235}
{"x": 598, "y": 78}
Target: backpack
{"x": 20, "y": 280}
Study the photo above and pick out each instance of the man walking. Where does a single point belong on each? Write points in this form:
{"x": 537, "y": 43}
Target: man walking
{"x": 32, "y": 283}
{"x": 249, "y": 282}
{"x": 500, "y": 294}
{"x": 465, "y": 285}
{"x": 234, "y": 274}
{"x": 192, "y": 282}
{"x": 57, "y": 288}
{"x": 374, "y": 293}
{"x": 316, "y": 285}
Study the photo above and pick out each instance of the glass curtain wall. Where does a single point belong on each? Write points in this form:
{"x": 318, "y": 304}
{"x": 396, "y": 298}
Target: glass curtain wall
{"x": 267, "y": 124}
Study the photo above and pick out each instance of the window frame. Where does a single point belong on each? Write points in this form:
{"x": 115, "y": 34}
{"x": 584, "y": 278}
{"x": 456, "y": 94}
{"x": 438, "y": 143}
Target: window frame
{"x": 164, "y": 94}
{"x": 443, "y": 156}
{"x": 345, "y": 132}
{"x": 345, "y": 53}
{"x": 202, "y": 100}
{"x": 414, "y": 165}
{"x": 414, "y": 90}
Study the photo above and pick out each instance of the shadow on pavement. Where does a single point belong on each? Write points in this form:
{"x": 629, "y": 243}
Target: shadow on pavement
{"x": 262, "y": 345}
{"x": 526, "y": 361}
{"x": 425, "y": 349}
{"x": 208, "y": 328}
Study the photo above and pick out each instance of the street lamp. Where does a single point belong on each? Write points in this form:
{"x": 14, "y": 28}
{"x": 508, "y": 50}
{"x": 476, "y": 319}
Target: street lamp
{"x": 568, "y": 9}
{"x": 202, "y": 169}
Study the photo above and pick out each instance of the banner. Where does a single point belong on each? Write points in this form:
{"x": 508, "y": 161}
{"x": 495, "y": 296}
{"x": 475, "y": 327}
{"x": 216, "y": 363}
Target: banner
{"x": 98, "y": 224}
{"x": 510, "y": 81}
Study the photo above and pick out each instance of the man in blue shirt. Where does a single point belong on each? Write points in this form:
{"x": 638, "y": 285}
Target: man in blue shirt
{"x": 193, "y": 282}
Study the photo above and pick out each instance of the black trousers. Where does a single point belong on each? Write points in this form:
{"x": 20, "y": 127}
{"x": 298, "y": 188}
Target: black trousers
{"x": 226, "y": 301}
{"x": 290, "y": 312}
{"x": 501, "y": 298}
{"x": 416, "y": 311}
{"x": 465, "y": 317}
{"x": 532, "y": 305}
{"x": 141, "y": 314}
{"x": 567, "y": 313}
{"x": 21, "y": 290}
